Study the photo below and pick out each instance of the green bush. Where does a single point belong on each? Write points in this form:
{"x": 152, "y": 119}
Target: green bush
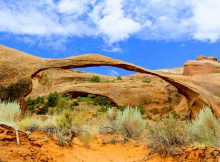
{"x": 65, "y": 120}
{"x": 204, "y": 130}
{"x": 127, "y": 122}
{"x": 63, "y": 103}
{"x": 42, "y": 110}
{"x": 75, "y": 103}
{"x": 95, "y": 79}
{"x": 91, "y": 96}
{"x": 103, "y": 109}
{"x": 121, "y": 108}
{"x": 147, "y": 80}
{"x": 39, "y": 100}
{"x": 30, "y": 104}
{"x": 65, "y": 127}
{"x": 101, "y": 100}
{"x": 52, "y": 99}
{"x": 141, "y": 109}
{"x": 119, "y": 78}
{"x": 166, "y": 137}
{"x": 53, "y": 103}
{"x": 30, "y": 101}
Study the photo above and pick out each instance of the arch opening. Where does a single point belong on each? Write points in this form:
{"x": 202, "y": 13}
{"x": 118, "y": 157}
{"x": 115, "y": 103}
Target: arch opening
{"x": 96, "y": 97}
{"x": 106, "y": 70}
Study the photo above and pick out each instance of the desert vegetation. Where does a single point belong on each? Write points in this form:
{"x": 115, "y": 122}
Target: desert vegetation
{"x": 63, "y": 118}
{"x": 166, "y": 135}
{"x": 127, "y": 122}
{"x": 9, "y": 113}
{"x": 171, "y": 134}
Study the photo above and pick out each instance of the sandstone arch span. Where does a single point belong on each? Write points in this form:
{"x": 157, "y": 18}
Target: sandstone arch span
{"x": 19, "y": 66}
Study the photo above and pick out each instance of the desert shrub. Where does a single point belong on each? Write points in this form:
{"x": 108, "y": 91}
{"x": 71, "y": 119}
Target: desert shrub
{"x": 91, "y": 96}
{"x": 42, "y": 110}
{"x": 119, "y": 78}
{"x": 52, "y": 99}
{"x": 101, "y": 100}
{"x": 103, "y": 109}
{"x": 65, "y": 138}
{"x": 96, "y": 100}
{"x": 147, "y": 80}
{"x": 69, "y": 126}
{"x": 65, "y": 120}
{"x": 121, "y": 108}
{"x": 30, "y": 104}
{"x": 127, "y": 122}
{"x": 174, "y": 114}
{"x": 75, "y": 103}
{"x": 141, "y": 109}
{"x": 95, "y": 79}
{"x": 64, "y": 126}
{"x": 166, "y": 137}
{"x": 86, "y": 138}
{"x": 130, "y": 122}
{"x": 32, "y": 123}
{"x": 35, "y": 103}
{"x": 54, "y": 103}
{"x": 205, "y": 129}
{"x": 39, "y": 100}
{"x": 63, "y": 103}
{"x": 9, "y": 113}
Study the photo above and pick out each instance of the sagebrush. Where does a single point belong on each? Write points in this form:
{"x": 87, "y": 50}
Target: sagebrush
{"x": 9, "y": 113}
{"x": 167, "y": 136}
{"x": 127, "y": 122}
{"x": 204, "y": 130}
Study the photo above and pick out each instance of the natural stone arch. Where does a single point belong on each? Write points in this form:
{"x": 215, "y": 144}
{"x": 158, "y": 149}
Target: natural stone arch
{"x": 16, "y": 66}
{"x": 194, "y": 96}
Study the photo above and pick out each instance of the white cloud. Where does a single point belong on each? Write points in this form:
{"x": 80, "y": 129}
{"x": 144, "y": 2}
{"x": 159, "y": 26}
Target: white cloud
{"x": 77, "y": 7}
{"x": 113, "y": 73}
{"x": 112, "y": 20}
{"x": 206, "y": 19}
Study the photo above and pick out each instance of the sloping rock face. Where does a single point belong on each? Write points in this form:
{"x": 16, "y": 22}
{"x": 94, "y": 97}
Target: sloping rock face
{"x": 156, "y": 95}
{"x": 202, "y": 65}
{"x": 19, "y": 71}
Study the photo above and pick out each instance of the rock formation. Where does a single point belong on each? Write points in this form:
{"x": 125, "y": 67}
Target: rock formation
{"x": 21, "y": 73}
{"x": 202, "y": 65}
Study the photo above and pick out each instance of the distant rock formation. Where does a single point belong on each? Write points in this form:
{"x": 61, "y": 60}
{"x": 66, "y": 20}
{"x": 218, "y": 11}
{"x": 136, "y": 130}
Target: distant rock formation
{"x": 202, "y": 65}
{"x": 22, "y": 74}
{"x": 200, "y": 58}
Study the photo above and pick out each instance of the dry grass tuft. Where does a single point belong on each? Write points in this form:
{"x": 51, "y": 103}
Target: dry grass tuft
{"x": 128, "y": 122}
{"x": 205, "y": 130}
{"x": 166, "y": 137}
{"x": 9, "y": 113}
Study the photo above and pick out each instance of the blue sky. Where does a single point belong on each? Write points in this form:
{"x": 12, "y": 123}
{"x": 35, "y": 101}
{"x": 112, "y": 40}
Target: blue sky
{"x": 150, "y": 33}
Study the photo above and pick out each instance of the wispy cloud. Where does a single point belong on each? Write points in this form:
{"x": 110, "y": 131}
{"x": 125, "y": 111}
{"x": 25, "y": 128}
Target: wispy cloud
{"x": 112, "y": 20}
{"x": 113, "y": 73}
